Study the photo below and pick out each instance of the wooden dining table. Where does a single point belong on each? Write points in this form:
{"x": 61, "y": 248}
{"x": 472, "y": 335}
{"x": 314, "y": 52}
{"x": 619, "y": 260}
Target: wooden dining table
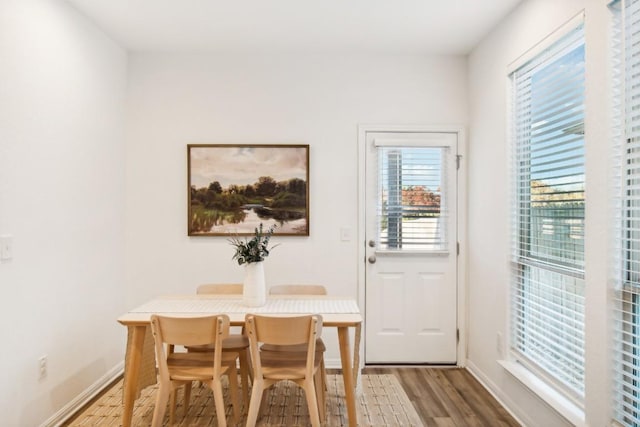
{"x": 140, "y": 364}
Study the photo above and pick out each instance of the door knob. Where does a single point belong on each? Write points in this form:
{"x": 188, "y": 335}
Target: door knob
{"x": 372, "y": 259}
{"x": 372, "y": 243}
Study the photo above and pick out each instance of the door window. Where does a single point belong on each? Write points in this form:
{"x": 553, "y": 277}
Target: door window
{"x": 411, "y": 199}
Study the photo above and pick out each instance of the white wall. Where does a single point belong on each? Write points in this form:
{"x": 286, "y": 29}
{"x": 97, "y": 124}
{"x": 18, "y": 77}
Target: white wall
{"x": 310, "y": 99}
{"x": 489, "y": 232}
{"x": 62, "y": 89}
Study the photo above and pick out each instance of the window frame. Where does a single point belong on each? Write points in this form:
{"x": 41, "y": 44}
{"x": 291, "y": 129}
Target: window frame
{"x": 521, "y": 245}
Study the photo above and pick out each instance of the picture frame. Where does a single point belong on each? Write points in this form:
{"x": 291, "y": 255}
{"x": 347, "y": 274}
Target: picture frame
{"x": 232, "y": 189}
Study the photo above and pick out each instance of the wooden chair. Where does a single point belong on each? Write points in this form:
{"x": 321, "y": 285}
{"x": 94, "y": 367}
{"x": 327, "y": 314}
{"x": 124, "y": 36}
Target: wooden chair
{"x": 176, "y": 369}
{"x": 220, "y": 288}
{"x": 269, "y": 367}
{"x": 320, "y": 346}
{"x": 297, "y": 290}
{"x": 238, "y": 343}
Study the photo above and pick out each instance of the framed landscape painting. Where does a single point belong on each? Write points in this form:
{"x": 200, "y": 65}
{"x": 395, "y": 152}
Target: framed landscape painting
{"x": 232, "y": 189}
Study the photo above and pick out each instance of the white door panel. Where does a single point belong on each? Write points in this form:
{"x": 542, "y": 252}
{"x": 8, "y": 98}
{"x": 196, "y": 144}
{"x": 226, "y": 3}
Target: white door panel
{"x": 411, "y": 284}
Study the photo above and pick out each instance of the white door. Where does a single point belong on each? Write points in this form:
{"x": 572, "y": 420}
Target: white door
{"x": 411, "y": 248}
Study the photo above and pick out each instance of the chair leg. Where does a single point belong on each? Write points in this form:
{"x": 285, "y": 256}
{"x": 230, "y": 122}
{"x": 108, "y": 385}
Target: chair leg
{"x": 161, "y": 405}
{"x": 244, "y": 375}
{"x": 216, "y": 386}
{"x": 265, "y": 400}
{"x": 320, "y": 385}
{"x": 312, "y": 402}
{"x": 247, "y": 357}
{"x": 173, "y": 403}
{"x": 187, "y": 397}
{"x": 323, "y": 379}
{"x": 232, "y": 374}
{"x": 323, "y": 371}
{"x": 254, "y": 403}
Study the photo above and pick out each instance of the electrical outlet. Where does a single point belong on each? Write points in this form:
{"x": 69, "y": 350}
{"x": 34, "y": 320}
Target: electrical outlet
{"x": 499, "y": 347}
{"x": 42, "y": 364}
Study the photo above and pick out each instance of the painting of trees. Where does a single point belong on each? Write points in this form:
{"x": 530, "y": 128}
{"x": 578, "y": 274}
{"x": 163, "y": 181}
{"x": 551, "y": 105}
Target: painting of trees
{"x": 233, "y": 188}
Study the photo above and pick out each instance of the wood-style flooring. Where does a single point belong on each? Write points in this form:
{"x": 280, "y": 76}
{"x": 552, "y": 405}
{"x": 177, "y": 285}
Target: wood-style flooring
{"x": 444, "y": 397}
{"x": 448, "y": 397}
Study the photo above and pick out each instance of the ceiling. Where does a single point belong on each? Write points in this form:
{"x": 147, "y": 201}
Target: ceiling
{"x": 367, "y": 26}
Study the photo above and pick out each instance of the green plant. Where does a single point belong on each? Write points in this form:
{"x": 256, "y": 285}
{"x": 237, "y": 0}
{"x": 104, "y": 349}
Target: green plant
{"x": 255, "y": 249}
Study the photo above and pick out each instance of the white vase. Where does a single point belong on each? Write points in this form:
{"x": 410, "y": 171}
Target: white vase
{"x": 254, "y": 293}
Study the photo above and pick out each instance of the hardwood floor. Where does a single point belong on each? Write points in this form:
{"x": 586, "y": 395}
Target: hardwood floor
{"x": 448, "y": 397}
{"x": 442, "y": 397}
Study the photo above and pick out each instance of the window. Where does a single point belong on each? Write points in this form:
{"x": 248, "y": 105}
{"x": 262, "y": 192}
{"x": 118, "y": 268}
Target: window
{"x": 627, "y": 291}
{"x": 412, "y": 205}
{"x": 547, "y": 298}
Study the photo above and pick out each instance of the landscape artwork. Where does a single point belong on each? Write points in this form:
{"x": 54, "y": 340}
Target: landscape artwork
{"x": 232, "y": 189}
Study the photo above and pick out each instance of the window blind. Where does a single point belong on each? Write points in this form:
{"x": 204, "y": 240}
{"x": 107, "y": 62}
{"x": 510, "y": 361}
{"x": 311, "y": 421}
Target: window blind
{"x": 626, "y": 353}
{"x": 547, "y": 298}
{"x": 411, "y": 205}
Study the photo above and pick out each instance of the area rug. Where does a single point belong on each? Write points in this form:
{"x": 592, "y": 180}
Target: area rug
{"x": 382, "y": 402}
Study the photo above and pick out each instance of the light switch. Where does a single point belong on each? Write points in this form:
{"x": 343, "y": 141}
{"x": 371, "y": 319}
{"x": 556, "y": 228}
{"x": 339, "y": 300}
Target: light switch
{"x": 345, "y": 234}
{"x": 6, "y": 247}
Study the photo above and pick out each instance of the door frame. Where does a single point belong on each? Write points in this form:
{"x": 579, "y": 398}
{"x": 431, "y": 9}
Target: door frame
{"x": 461, "y": 225}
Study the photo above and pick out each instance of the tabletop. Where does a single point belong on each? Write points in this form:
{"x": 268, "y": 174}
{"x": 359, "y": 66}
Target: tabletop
{"x": 335, "y": 311}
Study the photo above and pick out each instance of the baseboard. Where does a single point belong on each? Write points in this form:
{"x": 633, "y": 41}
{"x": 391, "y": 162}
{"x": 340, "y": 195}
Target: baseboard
{"x": 494, "y": 391}
{"x": 336, "y": 363}
{"x": 333, "y": 363}
{"x": 83, "y": 398}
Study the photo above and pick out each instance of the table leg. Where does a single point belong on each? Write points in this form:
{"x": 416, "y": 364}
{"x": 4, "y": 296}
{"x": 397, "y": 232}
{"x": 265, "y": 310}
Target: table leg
{"x": 133, "y": 358}
{"x": 356, "y": 353}
{"x": 347, "y": 375}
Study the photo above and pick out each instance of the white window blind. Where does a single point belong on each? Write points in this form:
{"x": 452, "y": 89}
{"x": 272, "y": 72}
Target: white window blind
{"x": 627, "y": 136}
{"x": 547, "y": 298}
{"x": 412, "y": 205}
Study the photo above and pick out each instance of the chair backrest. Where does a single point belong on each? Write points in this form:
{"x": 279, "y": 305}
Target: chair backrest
{"x": 187, "y": 331}
{"x": 284, "y": 330}
{"x": 220, "y": 288}
{"x": 298, "y": 290}
{"x": 278, "y": 330}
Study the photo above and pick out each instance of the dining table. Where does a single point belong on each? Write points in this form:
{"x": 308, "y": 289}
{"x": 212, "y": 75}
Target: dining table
{"x": 342, "y": 313}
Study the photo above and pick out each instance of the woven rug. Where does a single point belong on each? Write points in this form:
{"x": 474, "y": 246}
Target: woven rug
{"x": 383, "y": 402}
